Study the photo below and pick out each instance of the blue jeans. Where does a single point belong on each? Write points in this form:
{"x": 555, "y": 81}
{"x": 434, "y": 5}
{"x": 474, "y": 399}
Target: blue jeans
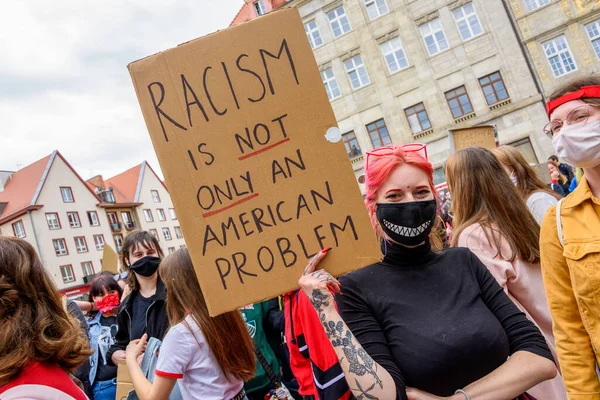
{"x": 105, "y": 390}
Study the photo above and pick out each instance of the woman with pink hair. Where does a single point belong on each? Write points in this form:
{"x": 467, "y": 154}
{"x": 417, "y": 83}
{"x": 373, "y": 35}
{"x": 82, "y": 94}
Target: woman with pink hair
{"x": 422, "y": 325}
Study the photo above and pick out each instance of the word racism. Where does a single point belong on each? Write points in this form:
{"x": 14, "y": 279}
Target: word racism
{"x": 219, "y": 90}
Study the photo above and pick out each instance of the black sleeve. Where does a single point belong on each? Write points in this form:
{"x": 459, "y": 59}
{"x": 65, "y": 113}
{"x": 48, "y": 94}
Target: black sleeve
{"x": 362, "y": 323}
{"x": 522, "y": 334}
{"x": 122, "y": 338}
{"x": 274, "y": 318}
{"x": 75, "y": 311}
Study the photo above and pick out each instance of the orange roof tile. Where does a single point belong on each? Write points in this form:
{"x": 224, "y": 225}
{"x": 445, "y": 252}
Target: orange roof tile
{"x": 125, "y": 184}
{"x": 21, "y": 188}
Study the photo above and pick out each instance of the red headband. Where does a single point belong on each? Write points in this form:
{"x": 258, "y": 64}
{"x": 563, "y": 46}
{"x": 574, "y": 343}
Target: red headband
{"x": 586, "y": 92}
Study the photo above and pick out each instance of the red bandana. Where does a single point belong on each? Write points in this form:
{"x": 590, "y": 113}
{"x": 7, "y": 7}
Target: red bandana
{"x": 586, "y": 92}
{"x": 108, "y": 303}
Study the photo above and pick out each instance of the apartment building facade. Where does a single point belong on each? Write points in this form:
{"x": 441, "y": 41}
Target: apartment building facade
{"x": 68, "y": 221}
{"x": 400, "y": 71}
{"x": 49, "y": 205}
{"x": 562, "y": 38}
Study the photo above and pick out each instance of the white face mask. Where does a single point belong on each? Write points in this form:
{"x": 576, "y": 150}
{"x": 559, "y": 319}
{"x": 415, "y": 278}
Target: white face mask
{"x": 579, "y": 144}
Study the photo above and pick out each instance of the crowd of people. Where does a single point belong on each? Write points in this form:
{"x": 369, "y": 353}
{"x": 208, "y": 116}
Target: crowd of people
{"x": 503, "y": 306}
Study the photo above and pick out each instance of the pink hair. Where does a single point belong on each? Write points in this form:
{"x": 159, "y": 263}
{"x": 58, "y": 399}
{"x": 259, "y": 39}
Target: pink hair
{"x": 380, "y": 168}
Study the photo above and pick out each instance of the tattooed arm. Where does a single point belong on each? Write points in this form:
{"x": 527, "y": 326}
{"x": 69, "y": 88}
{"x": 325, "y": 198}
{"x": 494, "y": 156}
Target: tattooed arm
{"x": 366, "y": 378}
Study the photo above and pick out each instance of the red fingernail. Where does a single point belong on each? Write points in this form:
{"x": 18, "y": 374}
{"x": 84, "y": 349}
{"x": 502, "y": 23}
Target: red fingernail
{"x": 326, "y": 249}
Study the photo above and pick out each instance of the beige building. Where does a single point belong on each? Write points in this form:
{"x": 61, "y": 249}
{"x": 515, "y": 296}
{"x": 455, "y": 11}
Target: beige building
{"x": 68, "y": 221}
{"x": 562, "y": 38}
{"x": 400, "y": 71}
{"x": 49, "y": 205}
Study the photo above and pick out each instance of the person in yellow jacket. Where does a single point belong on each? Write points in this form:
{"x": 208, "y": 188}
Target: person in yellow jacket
{"x": 570, "y": 238}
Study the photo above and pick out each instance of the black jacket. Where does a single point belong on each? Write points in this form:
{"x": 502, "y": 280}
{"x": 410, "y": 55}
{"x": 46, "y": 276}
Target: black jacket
{"x": 157, "y": 322}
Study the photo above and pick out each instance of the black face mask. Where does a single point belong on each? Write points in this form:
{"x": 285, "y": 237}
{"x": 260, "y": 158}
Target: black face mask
{"x": 407, "y": 223}
{"x": 145, "y": 266}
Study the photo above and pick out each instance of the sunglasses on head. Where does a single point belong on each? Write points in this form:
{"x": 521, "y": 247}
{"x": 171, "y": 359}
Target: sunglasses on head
{"x": 122, "y": 275}
{"x": 419, "y": 148}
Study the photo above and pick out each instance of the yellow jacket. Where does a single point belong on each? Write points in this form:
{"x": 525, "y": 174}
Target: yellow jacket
{"x": 572, "y": 281}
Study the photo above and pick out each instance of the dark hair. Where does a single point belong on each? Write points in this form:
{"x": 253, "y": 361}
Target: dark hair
{"x": 35, "y": 326}
{"x": 575, "y": 85}
{"x": 132, "y": 240}
{"x": 226, "y": 334}
{"x": 552, "y": 158}
{"x": 104, "y": 283}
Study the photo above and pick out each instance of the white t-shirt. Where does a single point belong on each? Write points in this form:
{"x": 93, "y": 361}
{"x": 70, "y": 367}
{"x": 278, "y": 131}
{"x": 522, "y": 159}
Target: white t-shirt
{"x": 538, "y": 203}
{"x": 182, "y": 358}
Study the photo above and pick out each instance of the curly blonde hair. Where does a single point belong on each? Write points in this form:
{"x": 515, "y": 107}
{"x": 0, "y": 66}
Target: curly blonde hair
{"x": 35, "y": 326}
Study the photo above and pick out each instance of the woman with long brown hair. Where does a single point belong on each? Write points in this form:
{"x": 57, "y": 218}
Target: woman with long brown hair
{"x": 492, "y": 220}
{"x": 531, "y": 188}
{"x": 40, "y": 343}
{"x": 212, "y": 356}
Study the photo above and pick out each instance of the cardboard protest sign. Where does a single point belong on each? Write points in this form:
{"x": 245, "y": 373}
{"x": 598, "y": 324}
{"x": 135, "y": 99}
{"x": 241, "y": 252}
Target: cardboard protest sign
{"x": 484, "y": 136}
{"x": 110, "y": 259}
{"x": 238, "y": 120}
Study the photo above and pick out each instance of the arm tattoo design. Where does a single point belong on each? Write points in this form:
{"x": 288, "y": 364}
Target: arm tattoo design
{"x": 360, "y": 361}
{"x": 364, "y": 393}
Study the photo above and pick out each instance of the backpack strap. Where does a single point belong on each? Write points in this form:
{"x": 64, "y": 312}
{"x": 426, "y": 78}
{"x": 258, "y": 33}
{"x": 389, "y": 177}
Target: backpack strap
{"x": 559, "y": 223}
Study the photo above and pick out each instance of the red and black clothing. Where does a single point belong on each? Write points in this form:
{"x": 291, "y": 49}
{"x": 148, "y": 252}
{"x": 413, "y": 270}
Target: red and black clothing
{"x": 312, "y": 357}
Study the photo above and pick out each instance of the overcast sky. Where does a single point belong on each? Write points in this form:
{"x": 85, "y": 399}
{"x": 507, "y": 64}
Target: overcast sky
{"x": 64, "y": 84}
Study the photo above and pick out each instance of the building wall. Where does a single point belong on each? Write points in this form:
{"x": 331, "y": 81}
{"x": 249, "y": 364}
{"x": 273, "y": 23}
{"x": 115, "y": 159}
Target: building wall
{"x": 50, "y": 197}
{"x": 151, "y": 182}
{"x": 568, "y": 18}
{"x": 427, "y": 78}
{"x": 121, "y": 229}
{"x": 6, "y": 229}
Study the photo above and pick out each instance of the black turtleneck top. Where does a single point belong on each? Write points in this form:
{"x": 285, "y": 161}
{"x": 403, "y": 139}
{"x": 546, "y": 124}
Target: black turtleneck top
{"x": 435, "y": 322}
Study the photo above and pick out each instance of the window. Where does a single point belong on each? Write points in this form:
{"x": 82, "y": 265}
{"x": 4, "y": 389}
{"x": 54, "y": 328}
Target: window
{"x": 81, "y": 244}
{"x": 99, "y": 242}
{"x": 467, "y": 21}
{"x": 357, "y": 72}
{"x": 19, "y": 229}
{"x": 376, "y": 8}
{"x": 154, "y": 233}
{"x": 171, "y": 250}
{"x": 260, "y": 8}
{"x": 53, "y": 221}
{"x": 379, "y": 133}
{"x": 110, "y": 197}
{"x": 352, "y": 146}
{"x": 118, "y": 241}
{"x": 493, "y": 88}
{"x": 87, "y": 268}
{"x": 73, "y": 218}
{"x": 127, "y": 220}
{"x": 559, "y": 56}
{"x": 339, "y": 21}
{"x": 312, "y": 32}
{"x": 112, "y": 218}
{"x": 526, "y": 149}
{"x": 155, "y": 196}
{"x": 148, "y": 215}
{"x": 331, "y": 86}
{"x": 417, "y": 118}
{"x": 394, "y": 55}
{"x": 67, "y": 194}
{"x": 172, "y": 213}
{"x": 161, "y": 214}
{"x": 459, "y": 102}
{"x": 434, "y": 36}
{"x": 533, "y": 4}
{"x": 166, "y": 233}
{"x": 593, "y": 31}
{"x": 178, "y": 233}
{"x": 67, "y": 273}
{"x": 60, "y": 247}
{"x": 182, "y": 246}
{"x": 439, "y": 176}
{"x": 93, "y": 218}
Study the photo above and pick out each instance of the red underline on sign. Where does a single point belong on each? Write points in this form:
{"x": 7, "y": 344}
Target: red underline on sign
{"x": 263, "y": 149}
{"x": 237, "y": 203}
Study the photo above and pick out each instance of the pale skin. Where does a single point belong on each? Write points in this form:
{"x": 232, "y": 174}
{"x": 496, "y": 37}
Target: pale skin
{"x": 521, "y": 372}
{"x": 147, "y": 285}
{"x": 160, "y": 389}
{"x": 592, "y": 175}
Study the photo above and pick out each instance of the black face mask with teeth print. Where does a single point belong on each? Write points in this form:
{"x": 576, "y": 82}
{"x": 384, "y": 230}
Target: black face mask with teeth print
{"x": 407, "y": 223}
